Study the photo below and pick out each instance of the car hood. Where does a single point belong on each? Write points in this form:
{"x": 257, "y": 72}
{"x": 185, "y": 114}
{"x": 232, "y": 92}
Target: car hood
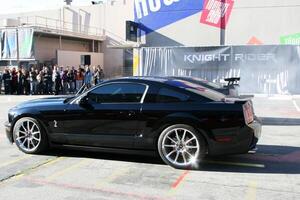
{"x": 49, "y": 101}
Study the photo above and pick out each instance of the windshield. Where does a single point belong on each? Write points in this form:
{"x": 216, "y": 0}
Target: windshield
{"x": 195, "y": 88}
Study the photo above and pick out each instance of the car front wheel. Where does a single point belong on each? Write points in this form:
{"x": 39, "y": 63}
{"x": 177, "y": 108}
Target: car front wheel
{"x": 181, "y": 146}
{"x": 29, "y": 136}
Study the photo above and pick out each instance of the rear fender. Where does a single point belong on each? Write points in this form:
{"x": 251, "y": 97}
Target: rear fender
{"x": 181, "y": 118}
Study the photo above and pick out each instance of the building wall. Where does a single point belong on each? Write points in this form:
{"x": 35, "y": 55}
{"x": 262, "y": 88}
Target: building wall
{"x": 73, "y": 58}
{"x": 45, "y": 47}
{"x": 52, "y": 13}
{"x": 266, "y": 20}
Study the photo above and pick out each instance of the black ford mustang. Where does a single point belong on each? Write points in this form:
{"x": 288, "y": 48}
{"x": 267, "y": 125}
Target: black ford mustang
{"x": 180, "y": 120}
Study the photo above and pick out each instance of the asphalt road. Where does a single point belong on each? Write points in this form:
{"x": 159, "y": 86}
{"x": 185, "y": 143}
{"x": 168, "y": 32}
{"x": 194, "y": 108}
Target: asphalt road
{"x": 272, "y": 173}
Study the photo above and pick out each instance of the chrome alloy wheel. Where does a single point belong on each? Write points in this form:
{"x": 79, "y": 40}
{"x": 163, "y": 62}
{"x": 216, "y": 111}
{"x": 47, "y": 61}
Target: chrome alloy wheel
{"x": 27, "y": 135}
{"x": 180, "y": 147}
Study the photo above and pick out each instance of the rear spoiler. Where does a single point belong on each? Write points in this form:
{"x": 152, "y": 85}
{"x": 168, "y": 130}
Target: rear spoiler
{"x": 233, "y": 80}
{"x": 246, "y": 97}
{"x": 235, "y": 100}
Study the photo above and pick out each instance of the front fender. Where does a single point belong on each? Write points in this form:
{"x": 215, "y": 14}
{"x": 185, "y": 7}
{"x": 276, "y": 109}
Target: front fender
{"x": 15, "y": 115}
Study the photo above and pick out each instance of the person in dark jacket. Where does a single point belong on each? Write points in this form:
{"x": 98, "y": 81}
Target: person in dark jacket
{"x": 101, "y": 74}
{"x": 47, "y": 78}
{"x": 1, "y": 82}
{"x": 50, "y": 70}
{"x": 14, "y": 81}
{"x": 64, "y": 81}
{"x": 20, "y": 82}
{"x": 26, "y": 81}
{"x": 7, "y": 81}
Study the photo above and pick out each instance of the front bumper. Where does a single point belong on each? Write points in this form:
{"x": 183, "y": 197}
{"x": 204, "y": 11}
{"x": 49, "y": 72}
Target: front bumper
{"x": 8, "y": 131}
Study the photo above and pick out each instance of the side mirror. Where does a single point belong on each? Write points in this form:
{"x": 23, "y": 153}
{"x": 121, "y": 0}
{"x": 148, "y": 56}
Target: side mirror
{"x": 84, "y": 101}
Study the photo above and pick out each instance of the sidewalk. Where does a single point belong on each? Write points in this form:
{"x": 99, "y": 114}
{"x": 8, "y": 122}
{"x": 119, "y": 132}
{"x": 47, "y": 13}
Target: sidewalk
{"x": 20, "y": 98}
{"x": 275, "y": 96}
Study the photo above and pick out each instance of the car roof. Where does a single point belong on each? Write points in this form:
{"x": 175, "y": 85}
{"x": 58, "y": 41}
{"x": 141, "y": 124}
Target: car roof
{"x": 144, "y": 78}
{"x": 175, "y": 82}
{"x": 171, "y": 81}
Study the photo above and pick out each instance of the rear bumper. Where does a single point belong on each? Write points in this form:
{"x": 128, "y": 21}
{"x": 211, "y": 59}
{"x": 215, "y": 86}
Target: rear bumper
{"x": 256, "y": 125}
{"x": 243, "y": 141}
{"x": 8, "y": 131}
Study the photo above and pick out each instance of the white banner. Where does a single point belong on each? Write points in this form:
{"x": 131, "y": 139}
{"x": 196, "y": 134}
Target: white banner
{"x": 263, "y": 69}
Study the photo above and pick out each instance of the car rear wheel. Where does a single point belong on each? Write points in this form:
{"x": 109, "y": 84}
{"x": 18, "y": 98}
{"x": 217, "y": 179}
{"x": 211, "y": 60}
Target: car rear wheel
{"x": 181, "y": 146}
{"x": 29, "y": 136}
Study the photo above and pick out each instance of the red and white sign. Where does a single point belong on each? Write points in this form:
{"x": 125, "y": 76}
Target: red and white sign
{"x": 216, "y": 12}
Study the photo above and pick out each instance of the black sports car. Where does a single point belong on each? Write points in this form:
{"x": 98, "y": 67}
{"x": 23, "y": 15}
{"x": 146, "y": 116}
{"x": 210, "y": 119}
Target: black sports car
{"x": 180, "y": 120}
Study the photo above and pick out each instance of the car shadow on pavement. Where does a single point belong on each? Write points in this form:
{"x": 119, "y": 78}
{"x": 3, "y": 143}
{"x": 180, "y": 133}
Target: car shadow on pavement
{"x": 268, "y": 159}
{"x": 277, "y": 121}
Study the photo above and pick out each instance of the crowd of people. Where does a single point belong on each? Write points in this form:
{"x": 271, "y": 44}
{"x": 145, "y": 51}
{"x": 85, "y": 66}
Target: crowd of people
{"x": 48, "y": 80}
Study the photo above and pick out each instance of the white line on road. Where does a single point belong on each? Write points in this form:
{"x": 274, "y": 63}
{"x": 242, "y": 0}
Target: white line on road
{"x": 252, "y": 190}
{"x": 296, "y": 106}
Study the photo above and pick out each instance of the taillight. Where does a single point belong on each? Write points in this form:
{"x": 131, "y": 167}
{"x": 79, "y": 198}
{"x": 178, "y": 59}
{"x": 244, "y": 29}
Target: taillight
{"x": 248, "y": 113}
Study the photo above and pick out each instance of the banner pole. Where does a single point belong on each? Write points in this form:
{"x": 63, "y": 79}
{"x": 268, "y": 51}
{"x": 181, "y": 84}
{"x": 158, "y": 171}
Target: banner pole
{"x": 18, "y": 54}
{"x": 222, "y": 26}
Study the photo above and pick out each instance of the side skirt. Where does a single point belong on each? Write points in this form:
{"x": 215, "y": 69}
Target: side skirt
{"x": 105, "y": 149}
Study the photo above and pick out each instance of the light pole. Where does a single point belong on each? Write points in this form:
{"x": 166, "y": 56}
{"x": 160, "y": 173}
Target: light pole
{"x": 18, "y": 48}
{"x": 68, "y": 2}
{"x": 222, "y": 25}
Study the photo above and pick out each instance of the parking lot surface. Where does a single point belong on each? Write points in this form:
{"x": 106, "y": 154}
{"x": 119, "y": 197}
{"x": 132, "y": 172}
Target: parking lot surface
{"x": 273, "y": 172}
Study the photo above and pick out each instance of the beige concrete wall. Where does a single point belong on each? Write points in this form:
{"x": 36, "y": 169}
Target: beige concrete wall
{"x": 113, "y": 61}
{"x": 114, "y": 16}
{"x": 72, "y": 58}
{"x": 75, "y": 45}
{"x": 45, "y": 47}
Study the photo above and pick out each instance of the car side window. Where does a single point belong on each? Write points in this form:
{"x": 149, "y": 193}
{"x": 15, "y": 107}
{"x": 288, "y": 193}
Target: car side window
{"x": 166, "y": 95}
{"x": 118, "y": 93}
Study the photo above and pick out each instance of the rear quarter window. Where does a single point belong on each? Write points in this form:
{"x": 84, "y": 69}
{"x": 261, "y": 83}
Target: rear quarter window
{"x": 166, "y": 95}
{"x": 197, "y": 89}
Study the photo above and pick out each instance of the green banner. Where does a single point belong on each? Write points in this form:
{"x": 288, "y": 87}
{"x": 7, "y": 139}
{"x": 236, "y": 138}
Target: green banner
{"x": 25, "y": 43}
{"x": 293, "y": 39}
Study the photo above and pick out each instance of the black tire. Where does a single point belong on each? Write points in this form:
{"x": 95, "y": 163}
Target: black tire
{"x": 165, "y": 149}
{"x": 30, "y": 142}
